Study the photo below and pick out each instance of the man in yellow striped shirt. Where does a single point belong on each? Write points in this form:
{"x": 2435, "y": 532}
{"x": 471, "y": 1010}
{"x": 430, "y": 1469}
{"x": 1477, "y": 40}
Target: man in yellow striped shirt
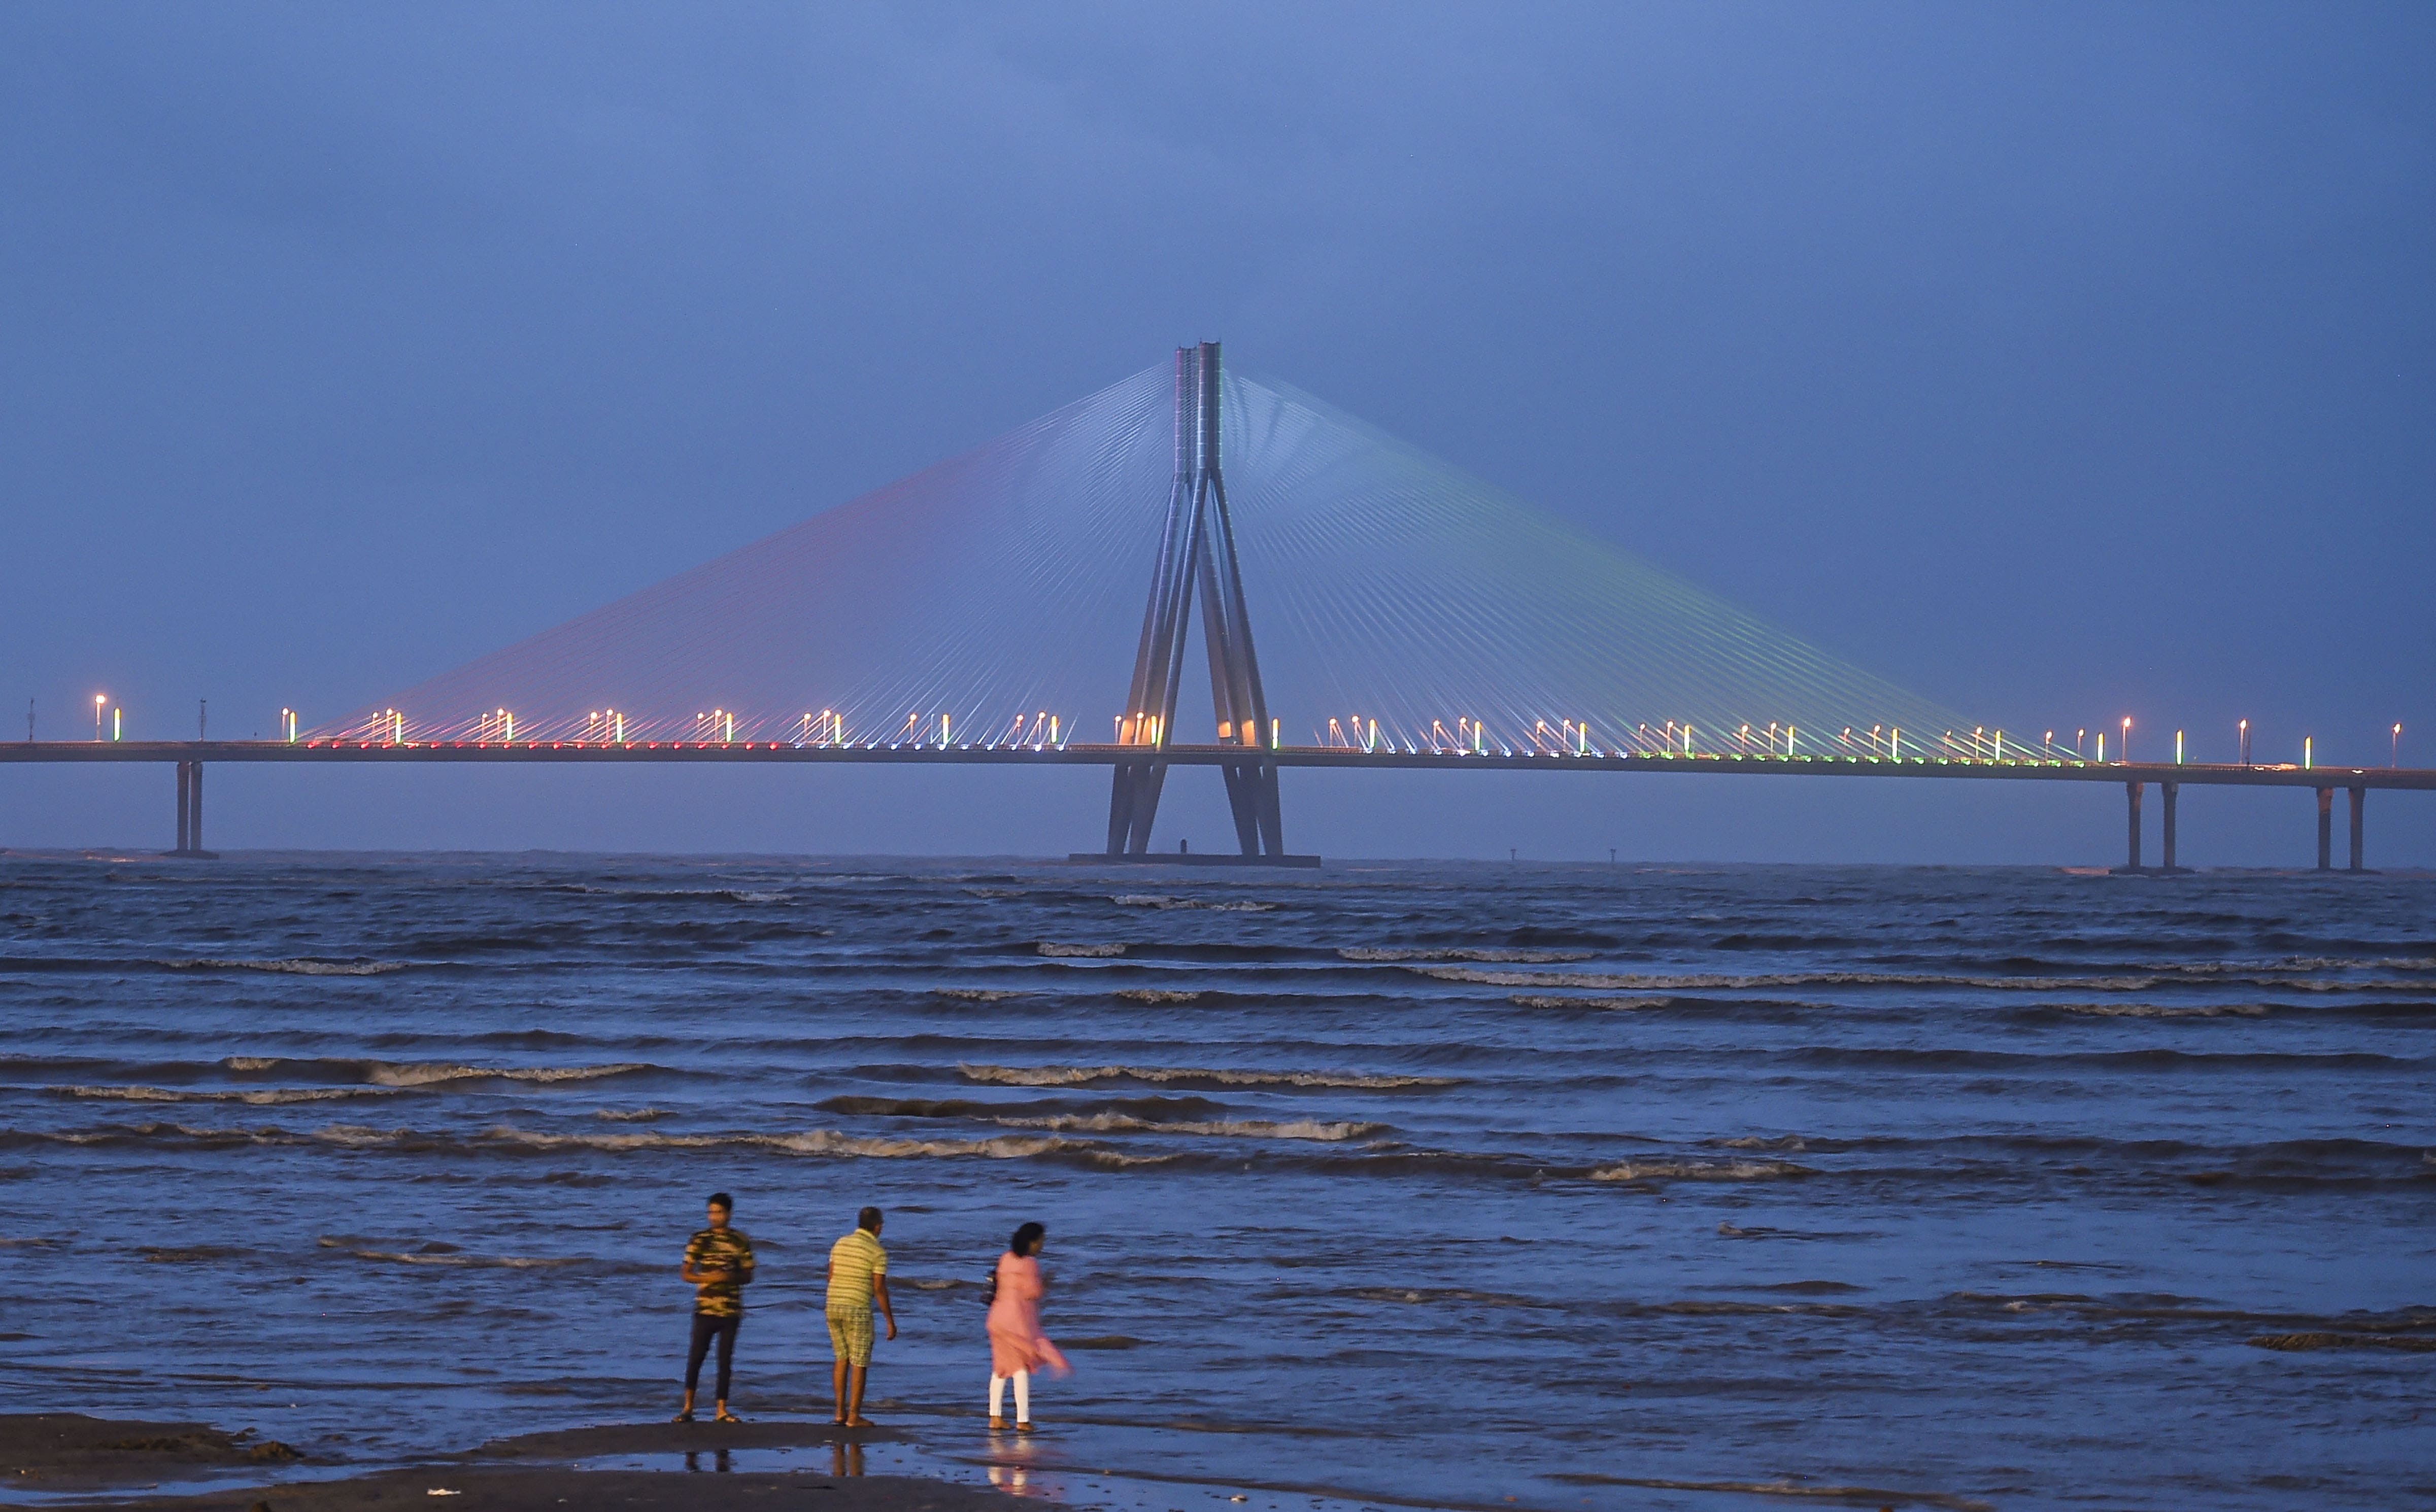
{"x": 858, "y": 1278}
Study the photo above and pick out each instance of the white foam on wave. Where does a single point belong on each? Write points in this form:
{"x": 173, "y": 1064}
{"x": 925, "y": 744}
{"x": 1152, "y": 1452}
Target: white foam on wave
{"x": 298, "y": 965}
{"x": 1526, "y": 1001}
{"x": 2152, "y": 1010}
{"x": 979, "y": 994}
{"x": 1157, "y": 995}
{"x": 450, "y": 1258}
{"x": 824, "y": 1142}
{"x": 1160, "y": 900}
{"x": 434, "y": 1073}
{"x": 1492, "y": 953}
{"x": 257, "y": 1097}
{"x": 1087, "y": 953}
{"x": 1663, "y": 1169}
{"x": 1780, "y": 979}
{"x": 1219, "y": 1128}
{"x": 735, "y": 894}
{"x": 1078, "y": 1075}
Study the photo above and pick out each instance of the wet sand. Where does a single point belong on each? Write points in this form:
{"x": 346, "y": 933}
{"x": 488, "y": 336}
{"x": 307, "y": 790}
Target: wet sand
{"x": 195, "y": 1468}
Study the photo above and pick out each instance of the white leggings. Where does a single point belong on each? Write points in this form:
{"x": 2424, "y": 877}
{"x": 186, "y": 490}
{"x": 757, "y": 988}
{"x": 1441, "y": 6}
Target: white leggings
{"x": 1023, "y": 1380}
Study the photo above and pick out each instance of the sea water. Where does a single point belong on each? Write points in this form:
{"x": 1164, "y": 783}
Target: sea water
{"x": 1582, "y": 1187}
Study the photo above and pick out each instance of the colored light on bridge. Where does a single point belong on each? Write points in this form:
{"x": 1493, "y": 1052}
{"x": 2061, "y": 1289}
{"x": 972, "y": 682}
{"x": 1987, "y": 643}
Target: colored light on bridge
{"x": 115, "y": 714}
{"x": 2309, "y": 752}
{"x": 2178, "y": 748}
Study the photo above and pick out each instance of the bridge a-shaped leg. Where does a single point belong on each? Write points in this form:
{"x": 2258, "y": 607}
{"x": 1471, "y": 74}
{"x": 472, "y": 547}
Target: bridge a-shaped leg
{"x": 1133, "y": 805}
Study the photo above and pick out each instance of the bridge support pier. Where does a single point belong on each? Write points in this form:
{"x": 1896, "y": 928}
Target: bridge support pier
{"x": 2172, "y": 791}
{"x": 2325, "y": 829}
{"x": 1196, "y": 553}
{"x": 190, "y": 813}
{"x": 2359, "y": 800}
{"x": 2134, "y": 789}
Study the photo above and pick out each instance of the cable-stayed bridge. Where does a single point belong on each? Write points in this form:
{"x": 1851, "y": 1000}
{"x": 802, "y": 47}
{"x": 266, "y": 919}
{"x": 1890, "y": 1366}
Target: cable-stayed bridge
{"x": 1357, "y": 604}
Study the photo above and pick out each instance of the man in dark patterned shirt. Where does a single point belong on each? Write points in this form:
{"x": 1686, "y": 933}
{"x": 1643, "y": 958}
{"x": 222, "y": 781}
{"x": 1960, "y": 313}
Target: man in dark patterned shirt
{"x": 718, "y": 1263}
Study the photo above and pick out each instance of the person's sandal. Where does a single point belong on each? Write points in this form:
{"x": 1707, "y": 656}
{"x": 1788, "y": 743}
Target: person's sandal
{"x": 685, "y": 1417}
{"x": 728, "y": 1418}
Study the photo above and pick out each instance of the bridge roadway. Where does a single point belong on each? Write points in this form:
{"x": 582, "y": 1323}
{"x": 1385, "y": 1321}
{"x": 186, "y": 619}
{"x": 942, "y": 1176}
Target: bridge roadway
{"x": 2010, "y": 768}
{"x": 189, "y": 757}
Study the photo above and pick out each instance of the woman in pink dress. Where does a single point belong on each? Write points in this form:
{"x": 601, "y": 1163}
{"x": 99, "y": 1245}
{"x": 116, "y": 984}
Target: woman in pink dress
{"x": 1017, "y": 1348}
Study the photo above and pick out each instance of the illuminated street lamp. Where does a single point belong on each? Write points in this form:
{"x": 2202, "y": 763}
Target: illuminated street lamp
{"x": 2397, "y": 747}
{"x": 2126, "y": 755}
{"x": 98, "y": 700}
{"x": 2244, "y": 727}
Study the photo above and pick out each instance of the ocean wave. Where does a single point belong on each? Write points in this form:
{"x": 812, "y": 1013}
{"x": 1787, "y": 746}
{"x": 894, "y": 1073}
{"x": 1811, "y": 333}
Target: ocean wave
{"x": 1079, "y": 1075}
{"x": 187, "y": 1255}
{"x": 1675, "y": 1170}
{"x": 1442, "y": 1294}
{"x": 1160, "y": 900}
{"x": 1087, "y": 953}
{"x": 1483, "y": 952}
{"x": 978, "y": 994}
{"x": 1757, "y": 1142}
{"x": 2154, "y": 1010}
{"x": 1525, "y": 1000}
{"x": 442, "y": 1255}
{"x": 432, "y": 1073}
{"x": 1222, "y": 1128}
{"x": 734, "y": 895}
{"x": 294, "y": 966}
{"x": 1157, "y": 995}
{"x": 1629, "y": 982}
{"x": 1856, "y": 1495}
{"x": 258, "y": 1097}
{"x": 2341, "y": 1341}
{"x": 827, "y": 1142}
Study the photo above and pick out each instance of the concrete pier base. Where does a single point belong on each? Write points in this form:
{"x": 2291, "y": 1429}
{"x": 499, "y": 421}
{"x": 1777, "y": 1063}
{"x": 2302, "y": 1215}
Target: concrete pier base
{"x": 190, "y": 814}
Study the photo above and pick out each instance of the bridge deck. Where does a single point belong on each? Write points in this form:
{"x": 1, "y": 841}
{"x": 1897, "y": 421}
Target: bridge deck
{"x": 1336, "y": 758}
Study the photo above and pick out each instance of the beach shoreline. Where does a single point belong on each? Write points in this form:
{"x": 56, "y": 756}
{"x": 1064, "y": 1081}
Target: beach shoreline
{"x": 69, "y": 1459}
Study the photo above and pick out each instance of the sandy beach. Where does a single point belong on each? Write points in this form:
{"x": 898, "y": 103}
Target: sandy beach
{"x": 69, "y": 1459}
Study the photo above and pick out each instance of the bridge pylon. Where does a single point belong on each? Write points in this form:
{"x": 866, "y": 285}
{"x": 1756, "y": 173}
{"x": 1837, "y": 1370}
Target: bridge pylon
{"x": 1196, "y": 555}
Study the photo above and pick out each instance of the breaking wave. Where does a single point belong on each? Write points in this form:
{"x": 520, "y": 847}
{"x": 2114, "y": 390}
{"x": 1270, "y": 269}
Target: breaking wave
{"x": 432, "y": 1073}
{"x": 1222, "y": 1128}
{"x": 1674, "y": 1170}
{"x": 1087, "y": 953}
{"x": 1080, "y": 1075}
{"x": 259, "y": 1097}
{"x": 294, "y": 966}
{"x": 1462, "y": 953}
{"x": 1156, "y": 900}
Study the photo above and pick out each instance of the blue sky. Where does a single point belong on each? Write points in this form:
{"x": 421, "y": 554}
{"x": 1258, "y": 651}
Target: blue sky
{"x": 2063, "y": 361}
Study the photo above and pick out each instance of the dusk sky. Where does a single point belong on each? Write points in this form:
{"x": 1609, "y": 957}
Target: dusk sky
{"x": 2063, "y": 362}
